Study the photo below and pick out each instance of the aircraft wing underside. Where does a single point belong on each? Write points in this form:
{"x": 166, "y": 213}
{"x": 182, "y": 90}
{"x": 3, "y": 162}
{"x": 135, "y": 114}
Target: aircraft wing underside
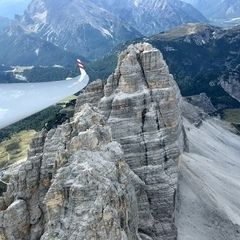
{"x": 20, "y": 100}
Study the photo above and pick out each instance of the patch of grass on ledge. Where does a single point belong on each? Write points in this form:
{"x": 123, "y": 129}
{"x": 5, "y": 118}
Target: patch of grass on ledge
{"x": 15, "y": 149}
{"x": 232, "y": 115}
{"x": 35, "y": 122}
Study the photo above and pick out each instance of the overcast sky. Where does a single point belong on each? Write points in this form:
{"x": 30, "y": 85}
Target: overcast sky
{"x": 8, "y": 8}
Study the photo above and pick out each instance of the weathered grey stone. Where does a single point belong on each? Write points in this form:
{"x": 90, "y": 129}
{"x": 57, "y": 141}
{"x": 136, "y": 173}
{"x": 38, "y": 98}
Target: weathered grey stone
{"x": 93, "y": 93}
{"x": 202, "y": 101}
{"x": 111, "y": 173}
{"x": 194, "y": 114}
{"x": 75, "y": 185}
{"x": 142, "y": 107}
{"x": 14, "y": 220}
{"x": 232, "y": 85}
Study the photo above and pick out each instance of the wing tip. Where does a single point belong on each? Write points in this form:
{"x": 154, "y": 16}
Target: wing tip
{"x": 80, "y": 64}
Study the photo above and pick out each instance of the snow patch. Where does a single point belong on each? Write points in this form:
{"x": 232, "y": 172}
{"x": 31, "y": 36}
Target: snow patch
{"x": 41, "y": 17}
{"x": 137, "y": 2}
{"x": 20, "y": 69}
{"x": 230, "y": 10}
{"x": 20, "y": 77}
{"x": 170, "y": 49}
{"x": 57, "y": 66}
{"x": 233, "y": 20}
{"x": 192, "y": 30}
{"x": 37, "y": 51}
{"x": 105, "y": 32}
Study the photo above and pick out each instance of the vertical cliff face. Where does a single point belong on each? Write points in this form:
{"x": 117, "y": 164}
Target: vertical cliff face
{"x": 111, "y": 173}
{"x": 141, "y": 103}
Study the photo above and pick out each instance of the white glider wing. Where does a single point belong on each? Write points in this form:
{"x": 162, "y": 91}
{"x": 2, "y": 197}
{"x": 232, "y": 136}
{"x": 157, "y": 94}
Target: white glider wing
{"x": 21, "y": 100}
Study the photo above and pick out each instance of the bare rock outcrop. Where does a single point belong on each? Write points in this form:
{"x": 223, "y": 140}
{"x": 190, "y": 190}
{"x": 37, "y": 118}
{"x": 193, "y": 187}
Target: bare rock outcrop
{"x": 232, "y": 85}
{"x": 112, "y": 172}
{"x": 75, "y": 185}
{"x": 142, "y": 106}
{"x": 93, "y": 94}
{"x": 202, "y": 101}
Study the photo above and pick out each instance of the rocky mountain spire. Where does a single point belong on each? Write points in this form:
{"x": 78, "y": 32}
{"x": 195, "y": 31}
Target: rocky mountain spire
{"x": 142, "y": 103}
{"x": 111, "y": 173}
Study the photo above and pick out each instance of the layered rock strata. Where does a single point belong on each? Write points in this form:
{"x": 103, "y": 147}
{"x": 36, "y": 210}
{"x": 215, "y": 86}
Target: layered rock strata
{"x": 142, "y": 103}
{"x": 142, "y": 106}
{"x": 111, "y": 173}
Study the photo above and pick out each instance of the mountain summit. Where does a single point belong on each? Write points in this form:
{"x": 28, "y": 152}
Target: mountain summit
{"x": 94, "y": 27}
{"x": 76, "y": 26}
{"x": 226, "y": 12}
{"x": 153, "y": 16}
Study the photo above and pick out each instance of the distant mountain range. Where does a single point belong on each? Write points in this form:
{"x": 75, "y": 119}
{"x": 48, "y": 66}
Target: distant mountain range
{"x": 153, "y": 16}
{"x": 202, "y": 58}
{"x": 19, "y": 48}
{"x": 224, "y": 12}
{"x": 92, "y": 28}
{"x": 77, "y": 26}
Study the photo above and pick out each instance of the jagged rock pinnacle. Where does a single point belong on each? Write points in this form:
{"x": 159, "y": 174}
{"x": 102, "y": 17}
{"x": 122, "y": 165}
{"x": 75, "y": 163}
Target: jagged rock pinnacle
{"x": 111, "y": 173}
